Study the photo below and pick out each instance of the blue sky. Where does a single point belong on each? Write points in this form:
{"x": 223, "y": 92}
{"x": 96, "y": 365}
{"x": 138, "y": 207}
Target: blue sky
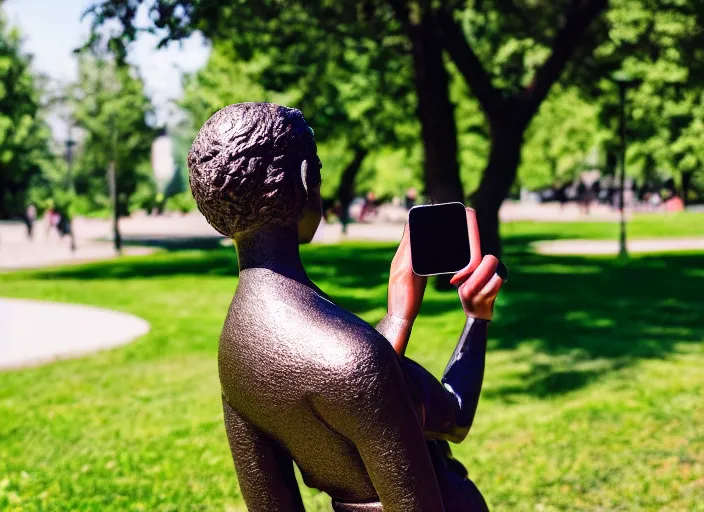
{"x": 52, "y": 29}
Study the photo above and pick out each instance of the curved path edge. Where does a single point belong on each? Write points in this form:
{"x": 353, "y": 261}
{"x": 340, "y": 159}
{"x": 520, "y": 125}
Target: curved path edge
{"x": 39, "y": 332}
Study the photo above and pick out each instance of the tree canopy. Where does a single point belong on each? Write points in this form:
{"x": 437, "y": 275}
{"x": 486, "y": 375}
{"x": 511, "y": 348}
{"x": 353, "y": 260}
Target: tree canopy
{"x": 490, "y": 90}
{"x": 356, "y": 108}
{"x": 660, "y": 48}
{"x": 323, "y": 46}
{"x": 112, "y": 112}
{"x": 24, "y": 136}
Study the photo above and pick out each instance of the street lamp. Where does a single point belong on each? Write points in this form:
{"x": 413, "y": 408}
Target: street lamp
{"x": 114, "y": 193}
{"x": 70, "y": 143}
{"x": 623, "y": 80}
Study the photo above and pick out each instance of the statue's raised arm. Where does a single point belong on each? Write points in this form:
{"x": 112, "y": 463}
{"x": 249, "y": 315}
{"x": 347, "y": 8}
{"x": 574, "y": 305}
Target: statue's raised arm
{"x": 449, "y": 406}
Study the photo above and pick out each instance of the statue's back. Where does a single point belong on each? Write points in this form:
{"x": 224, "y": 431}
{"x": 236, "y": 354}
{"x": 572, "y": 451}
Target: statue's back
{"x": 280, "y": 347}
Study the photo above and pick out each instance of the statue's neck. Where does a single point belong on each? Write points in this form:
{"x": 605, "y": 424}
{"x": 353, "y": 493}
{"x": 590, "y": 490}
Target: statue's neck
{"x": 273, "y": 248}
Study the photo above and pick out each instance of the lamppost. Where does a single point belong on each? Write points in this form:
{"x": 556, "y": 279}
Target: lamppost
{"x": 70, "y": 143}
{"x": 114, "y": 192}
{"x": 623, "y": 80}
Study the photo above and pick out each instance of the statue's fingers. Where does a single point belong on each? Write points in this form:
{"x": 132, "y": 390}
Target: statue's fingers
{"x": 475, "y": 246}
{"x": 475, "y": 250}
{"x": 502, "y": 271}
{"x": 492, "y": 288}
{"x": 480, "y": 277}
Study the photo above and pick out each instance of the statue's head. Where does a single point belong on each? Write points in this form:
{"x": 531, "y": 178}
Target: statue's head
{"x": 253, "y": 166}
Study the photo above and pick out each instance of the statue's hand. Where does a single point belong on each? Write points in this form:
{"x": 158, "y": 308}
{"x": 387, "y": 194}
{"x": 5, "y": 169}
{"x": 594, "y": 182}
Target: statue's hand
{"x": 479, "y": 283}
{"x": 406, "y": 289}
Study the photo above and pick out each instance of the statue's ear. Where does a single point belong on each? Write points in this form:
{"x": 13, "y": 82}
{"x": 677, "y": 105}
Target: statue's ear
{"x": 304, "y": 174}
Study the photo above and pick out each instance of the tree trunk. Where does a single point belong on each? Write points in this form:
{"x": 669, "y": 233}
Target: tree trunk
{"x": 686, "y": 184}
{"x": 509, "y": 115}
{"x": 3, "y": 208}
{"x": 496, "y": 182}
{"x": 345, "y": 190}
{"x": 441, "y": 170}
{"x": 10, "y": 203}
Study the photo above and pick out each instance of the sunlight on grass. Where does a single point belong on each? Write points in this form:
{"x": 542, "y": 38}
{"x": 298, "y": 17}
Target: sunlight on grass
{"x": 592, "y": 397}
{"x": 640, "y": 225}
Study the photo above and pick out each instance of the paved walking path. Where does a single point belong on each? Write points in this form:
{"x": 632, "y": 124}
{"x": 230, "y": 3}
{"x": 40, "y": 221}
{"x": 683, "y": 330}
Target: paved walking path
{"x": 607, "y": 247}
{"x": 35, "y": 332}
{"x": 28, "y": 255}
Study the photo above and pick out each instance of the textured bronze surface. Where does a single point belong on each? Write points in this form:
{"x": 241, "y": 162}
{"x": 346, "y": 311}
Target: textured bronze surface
{"x": 303, "y": 380}
{"x": 240, "y": 167}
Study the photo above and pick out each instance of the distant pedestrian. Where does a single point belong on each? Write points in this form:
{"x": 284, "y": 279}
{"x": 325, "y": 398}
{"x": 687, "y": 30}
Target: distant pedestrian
{"x": 654, "y": 200}
{"x": 330, "y": 207}
{"x": 595, "y": 192}
{"x": 583, "y": 197}
{"x": 674, "y": 204}
{"x": 561, "y": 195}
{"x": 411, "y": 198}
{"x": 613, "y": 196}
{"x": 52, "y": 220}
{"x": 63, "y": 226}
{"x": 30, "y": 218}
{"x": 369, "y": 207}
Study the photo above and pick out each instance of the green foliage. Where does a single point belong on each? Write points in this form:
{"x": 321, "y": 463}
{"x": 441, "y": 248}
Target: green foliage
{"x": 111, "y": 109}
{"x": 558, "y": 144}
{"x": 348, "y": 66}
{"x": 659, "y": 47}
{"x": 559, "y": 140}
{"x": 389, "y": 173}
{"x": 182, "y": 202}
{"x": 343, "y": 102}
{"x": 24, "y": 136}
{"x": 225, "y": 80}
{"x": 473, "y": 135}
{"x": 145, "y": 195}
{"x": 514, "y": 39}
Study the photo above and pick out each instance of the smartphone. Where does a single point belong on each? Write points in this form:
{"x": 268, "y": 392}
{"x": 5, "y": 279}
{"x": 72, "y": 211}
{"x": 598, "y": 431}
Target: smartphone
{"x": 439, "y": 238}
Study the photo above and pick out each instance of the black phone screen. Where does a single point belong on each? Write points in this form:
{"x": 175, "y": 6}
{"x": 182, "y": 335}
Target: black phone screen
{"x": 439, "y": 238}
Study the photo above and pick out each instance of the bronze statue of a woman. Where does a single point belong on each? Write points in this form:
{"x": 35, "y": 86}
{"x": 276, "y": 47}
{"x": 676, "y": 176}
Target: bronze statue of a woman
{"x": 305, "y": 381}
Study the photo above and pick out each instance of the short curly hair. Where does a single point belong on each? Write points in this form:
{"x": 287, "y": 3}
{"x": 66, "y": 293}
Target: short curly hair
{"x": 245, "y": 167}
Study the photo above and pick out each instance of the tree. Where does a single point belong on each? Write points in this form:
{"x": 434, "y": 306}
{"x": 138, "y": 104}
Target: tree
{"x": 113, "y": 112}
{"x": 509, "y": 53}
{"x": 659, "y": 46}
{"x": 346, "y": 99}
{"x": 24, "y": 136}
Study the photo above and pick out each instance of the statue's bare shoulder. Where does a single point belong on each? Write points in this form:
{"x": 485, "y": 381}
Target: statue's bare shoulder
{"x": 277, "y": 329}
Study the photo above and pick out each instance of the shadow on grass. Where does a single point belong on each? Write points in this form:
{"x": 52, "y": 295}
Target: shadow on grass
{"x": 349, "y": 265}
{"x": 205, "y": 242}
{"x": 587, "y": 316}
{"x": 596, "y": 315}
{"x": 543, "y": 380}
{"x": 219, "y": 261}
{"x": 582, "y": 317}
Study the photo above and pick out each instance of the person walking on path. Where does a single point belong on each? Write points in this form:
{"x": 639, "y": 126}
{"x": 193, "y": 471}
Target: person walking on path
{"x": 52, "y": 220}
{"x": 30, "y": 217}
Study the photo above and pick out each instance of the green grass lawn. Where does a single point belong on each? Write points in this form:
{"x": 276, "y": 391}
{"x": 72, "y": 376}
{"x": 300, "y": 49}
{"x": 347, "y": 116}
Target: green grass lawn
{"x": 592, "y": 398}
{"x": 642, "y": 225}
